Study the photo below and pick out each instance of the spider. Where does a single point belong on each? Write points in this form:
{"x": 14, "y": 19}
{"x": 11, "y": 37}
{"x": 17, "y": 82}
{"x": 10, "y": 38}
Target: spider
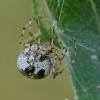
{"x": 37, "y": 60}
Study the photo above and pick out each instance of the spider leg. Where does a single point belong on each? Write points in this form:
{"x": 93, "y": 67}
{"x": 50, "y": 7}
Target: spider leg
{"x": 57, "y": 73}
{"x": 54, "y": 64}
{"x": 30, "y": 33}
{"x": 29, "y": 29}
{"x": 38, "y": 41}
{"x": 26, "y": 44}
{"x": 47, "y": 48}
{"x": 40, "y": 37}
{"x": 23, "y": 31}
{"x": 61, "y": 45}
{"x": 41, "y": 49}
{"x": 38, "y": 22}
{"x": 21, "y": 42}
{"x": 55, "y": 52}
{"x": 40, "y": 53}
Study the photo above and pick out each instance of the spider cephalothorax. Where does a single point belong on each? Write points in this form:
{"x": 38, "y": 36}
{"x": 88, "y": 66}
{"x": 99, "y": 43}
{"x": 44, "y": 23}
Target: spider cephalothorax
{"x": 37, "y": 60}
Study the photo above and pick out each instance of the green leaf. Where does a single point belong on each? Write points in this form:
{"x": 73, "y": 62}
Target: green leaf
{"x": 44, "y": 29}
{"x": 80, "y": 18}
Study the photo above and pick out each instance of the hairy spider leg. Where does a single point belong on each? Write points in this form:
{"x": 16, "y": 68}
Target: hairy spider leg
{"x": 45, "y": 48}
{"x": 23, "y": 31}
{"x": 54, "y": 63}
{"x": 30, "y": 33}
{"x": 57, "y": 73}
{"x": 64, "y": 52}
{"x": 63, "y": 47}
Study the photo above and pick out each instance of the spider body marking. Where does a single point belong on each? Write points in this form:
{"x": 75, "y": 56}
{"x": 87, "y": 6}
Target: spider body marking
{"x": 38, "y": 69}
{"x": 37, "y": 60}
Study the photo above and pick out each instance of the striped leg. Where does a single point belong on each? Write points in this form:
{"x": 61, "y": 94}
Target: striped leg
{"x": 54, "y": 64}
{"x": 57, "y": 73}
{"x": 62, "y": 46}
{"x": 63, "y": 53}
{"x": 64, "y": 50}
{"x": 38, "y": 22}
{"x": 29, "y": 28}
{"x": 21, "y": 42}
{"x": 30, "y": 33}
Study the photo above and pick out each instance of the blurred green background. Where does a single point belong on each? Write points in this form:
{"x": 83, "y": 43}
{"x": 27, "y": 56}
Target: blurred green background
{"x": 14, "y": 14}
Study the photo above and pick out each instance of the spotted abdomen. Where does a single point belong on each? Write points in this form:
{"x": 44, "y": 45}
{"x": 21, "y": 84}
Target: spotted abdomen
{"x": 36, "y": 69}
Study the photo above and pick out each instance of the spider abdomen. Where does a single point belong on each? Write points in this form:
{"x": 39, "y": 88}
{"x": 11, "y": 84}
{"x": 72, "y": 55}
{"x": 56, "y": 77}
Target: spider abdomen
{"x": 35, "y": 69}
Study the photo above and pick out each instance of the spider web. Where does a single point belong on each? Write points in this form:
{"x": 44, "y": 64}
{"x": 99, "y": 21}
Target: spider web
{"x": 80, "y": 19}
